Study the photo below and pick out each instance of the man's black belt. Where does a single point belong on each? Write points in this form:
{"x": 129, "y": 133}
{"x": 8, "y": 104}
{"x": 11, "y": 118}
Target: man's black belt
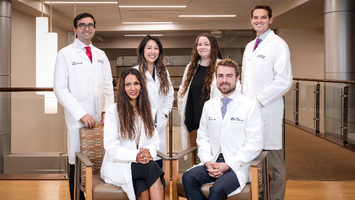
{"x": 220, "y": 156}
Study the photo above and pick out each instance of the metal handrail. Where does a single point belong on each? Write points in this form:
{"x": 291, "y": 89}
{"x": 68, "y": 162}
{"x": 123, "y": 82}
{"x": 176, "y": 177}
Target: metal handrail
{"x": 344, "y": 107}
{"x": 324, "y": 80}
{"x": 25, "y": 89}
{"x": 30, "y": 89}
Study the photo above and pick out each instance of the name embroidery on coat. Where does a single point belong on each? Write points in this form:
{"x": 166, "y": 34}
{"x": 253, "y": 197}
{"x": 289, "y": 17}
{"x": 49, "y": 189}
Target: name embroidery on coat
{"x": 261, "y": 56}
{"x": 236, "y": 119}
{"x": 77, "y": 63}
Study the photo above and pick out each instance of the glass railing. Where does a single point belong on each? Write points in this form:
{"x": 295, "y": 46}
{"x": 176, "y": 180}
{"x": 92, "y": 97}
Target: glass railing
{"x": 36, "y": 140}
{"x": 323, "y": 107}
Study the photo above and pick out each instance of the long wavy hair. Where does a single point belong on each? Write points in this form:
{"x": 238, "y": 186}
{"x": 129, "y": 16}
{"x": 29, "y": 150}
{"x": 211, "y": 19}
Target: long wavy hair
{"x": 125, "y": 109}
{"x": 195, "y": 58}
{"x": 159, "y": 65}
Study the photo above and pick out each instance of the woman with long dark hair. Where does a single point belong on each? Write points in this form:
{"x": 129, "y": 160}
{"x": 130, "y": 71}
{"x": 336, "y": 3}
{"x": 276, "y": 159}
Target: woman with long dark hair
{"x": 198, "y": 85}
{"x": 160, "y": 89}
{"x": 130, "y": 141}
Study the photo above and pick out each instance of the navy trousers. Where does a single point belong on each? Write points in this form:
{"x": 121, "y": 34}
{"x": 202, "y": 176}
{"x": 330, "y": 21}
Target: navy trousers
{"x": 71, "y": 184}
{"x": 196, "y": 177}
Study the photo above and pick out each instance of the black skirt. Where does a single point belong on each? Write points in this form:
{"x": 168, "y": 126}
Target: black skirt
{"x": 145, "y": 175}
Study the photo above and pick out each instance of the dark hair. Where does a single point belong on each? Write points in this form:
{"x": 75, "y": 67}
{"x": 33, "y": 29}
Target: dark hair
{"x": 83, "y": 15}
{"x": 125, "y": 108}
{"x": 229, "y": 63}
{"x": 195, "y": 57}
{"x": 159, "y": 65}
{"x": 265, "y": 7}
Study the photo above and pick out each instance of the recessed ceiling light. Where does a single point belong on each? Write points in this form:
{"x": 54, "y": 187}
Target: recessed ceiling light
{"x": 207, "y": 15}
{"x": 142, "y": 35}
{"x": 152, "y": 6}
{"x": 147, "y": 22}
{"x": 81, "y": 2}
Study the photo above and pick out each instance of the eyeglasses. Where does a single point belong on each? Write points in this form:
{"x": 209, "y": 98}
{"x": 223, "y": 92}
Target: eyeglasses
{"x": 83, "y": 26}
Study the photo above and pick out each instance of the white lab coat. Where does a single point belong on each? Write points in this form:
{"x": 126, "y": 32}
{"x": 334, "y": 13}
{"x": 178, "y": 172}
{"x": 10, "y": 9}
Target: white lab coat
{"x": 81, "y": 87}
{"x": 182, "y": 100}
{"x": 267, "y": 75}
{"x": 239, "y": 135}
{"x": 120, "y": 153}
{"x": 160, "y": 104}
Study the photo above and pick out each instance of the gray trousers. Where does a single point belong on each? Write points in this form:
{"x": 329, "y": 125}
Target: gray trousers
{"x": 277, "y": 173}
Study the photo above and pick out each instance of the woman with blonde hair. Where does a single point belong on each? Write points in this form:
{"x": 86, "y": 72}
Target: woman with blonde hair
{"x": 131, "y": 141}
{"x": 198, "y": 85}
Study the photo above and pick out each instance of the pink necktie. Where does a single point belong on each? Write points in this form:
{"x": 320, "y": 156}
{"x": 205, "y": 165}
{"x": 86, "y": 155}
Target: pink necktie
{"x": 88, "y": 52}
{"x": 258, "y": 40}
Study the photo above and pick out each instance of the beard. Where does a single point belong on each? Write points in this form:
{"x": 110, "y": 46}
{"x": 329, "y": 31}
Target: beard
{"x": 226, "y": 91}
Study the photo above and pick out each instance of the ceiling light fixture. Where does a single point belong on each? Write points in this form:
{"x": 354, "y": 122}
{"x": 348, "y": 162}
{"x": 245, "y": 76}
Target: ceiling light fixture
{"x": 152, "y": 6}
{"x": 82, "y": 2}
{"x": 207, "y": 15}
{"x": 147, "y": 22}
{"x": 142, "y": 35}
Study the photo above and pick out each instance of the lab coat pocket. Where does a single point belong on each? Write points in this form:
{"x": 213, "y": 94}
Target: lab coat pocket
{"x": 267, "y": 126}
{"x": 235, "y": 136}
{"x": 100, "y": 73}
{"x": 259, "y": 69}
{"x": 161, "y": 122}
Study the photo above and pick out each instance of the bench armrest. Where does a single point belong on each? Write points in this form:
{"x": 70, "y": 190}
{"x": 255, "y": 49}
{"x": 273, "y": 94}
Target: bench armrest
{"x": 84, "y": 160}
{"x": 184, "y": 153}
{"x": 258, "y": 159}
{"x": 163, "y": 156}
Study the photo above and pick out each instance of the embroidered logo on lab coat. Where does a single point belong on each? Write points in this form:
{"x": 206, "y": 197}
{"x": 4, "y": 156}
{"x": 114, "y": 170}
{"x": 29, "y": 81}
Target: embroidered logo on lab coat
{"x": 236, "y": 119}
{"x": 100, "y": 61}
{"x": 261, "y": 56}
{"x": 211, "y": 118}
{"x": 77, "y": 63}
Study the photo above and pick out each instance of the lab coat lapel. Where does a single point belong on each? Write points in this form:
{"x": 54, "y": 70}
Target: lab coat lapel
{"x": 232, "y": 105}
{"x": 80, "y": 50}
{"x": 94, "y": 55}
{"x": 82, "y": 53}
{"x": 150, "y": 78}
{"x": 262, "y": 44}
{"x": 217, "y": 108}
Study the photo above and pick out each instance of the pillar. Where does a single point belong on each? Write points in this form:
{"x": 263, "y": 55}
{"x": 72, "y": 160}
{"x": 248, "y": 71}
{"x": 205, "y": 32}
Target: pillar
{"x": 5, "y": 79}
{"x": 339, "y": 32}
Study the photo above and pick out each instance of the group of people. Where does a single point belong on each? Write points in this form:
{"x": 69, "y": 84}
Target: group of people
{"x": 231, "y": 121}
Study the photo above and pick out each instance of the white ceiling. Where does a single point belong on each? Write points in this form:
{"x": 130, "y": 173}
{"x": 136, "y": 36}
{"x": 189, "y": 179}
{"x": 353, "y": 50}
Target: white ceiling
{"x": 109, "y": 17}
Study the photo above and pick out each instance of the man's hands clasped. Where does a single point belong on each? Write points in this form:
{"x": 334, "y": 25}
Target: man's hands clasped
{"x": 215, "y": 169}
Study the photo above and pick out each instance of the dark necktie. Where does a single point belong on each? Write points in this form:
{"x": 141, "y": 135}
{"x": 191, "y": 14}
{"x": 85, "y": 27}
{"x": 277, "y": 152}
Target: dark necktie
{"x": 225, "y": 101}
{"x": 88, "y": 52}
{"x": 258, "y": 40}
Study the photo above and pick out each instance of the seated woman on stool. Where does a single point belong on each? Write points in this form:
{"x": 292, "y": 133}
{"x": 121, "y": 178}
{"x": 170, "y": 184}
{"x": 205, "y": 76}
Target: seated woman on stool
{"x": 131, "y": 141}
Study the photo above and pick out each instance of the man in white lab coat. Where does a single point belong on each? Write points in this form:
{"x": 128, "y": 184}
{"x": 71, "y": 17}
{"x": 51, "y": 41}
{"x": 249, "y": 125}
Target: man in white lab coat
{"x": 266, "y": 76}
{"x": 82, "y": 85}
{"x": 229, "y": 138}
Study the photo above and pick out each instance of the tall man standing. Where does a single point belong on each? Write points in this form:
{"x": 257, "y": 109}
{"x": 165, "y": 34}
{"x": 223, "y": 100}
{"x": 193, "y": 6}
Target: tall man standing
{"x": 82, "y": 85}
{"x": 229, "y": 138}
{"x": 267, "y": 75}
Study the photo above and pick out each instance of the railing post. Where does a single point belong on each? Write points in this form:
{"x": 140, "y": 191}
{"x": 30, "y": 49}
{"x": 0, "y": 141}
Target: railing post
{"x": 344, "y": 122}
{"x": 316, "y": 111}
{"x": 297, "y": 103}
{"x": 171, "y": 139}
